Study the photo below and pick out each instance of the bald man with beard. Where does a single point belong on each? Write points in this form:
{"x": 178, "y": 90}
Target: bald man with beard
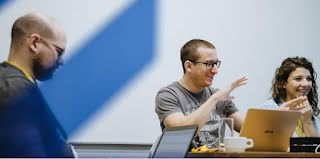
{"x": 27, "y": 126}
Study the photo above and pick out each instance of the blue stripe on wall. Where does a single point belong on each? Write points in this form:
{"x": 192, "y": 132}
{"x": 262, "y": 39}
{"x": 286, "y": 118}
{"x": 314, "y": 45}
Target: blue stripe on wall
{"x": 103, "y": 66}
{"x": 3, "y": 2}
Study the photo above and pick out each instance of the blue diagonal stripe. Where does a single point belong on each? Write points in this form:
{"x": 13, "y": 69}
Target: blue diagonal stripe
{"x": 103, "y": 66}
{"x": 3, "y": 2}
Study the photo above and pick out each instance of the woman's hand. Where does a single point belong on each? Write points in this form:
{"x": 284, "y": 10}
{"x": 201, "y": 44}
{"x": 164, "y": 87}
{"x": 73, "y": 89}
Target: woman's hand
{"x": 306, "y": 111}
{"x": 293, "y": 104}
{"x": 300, "y": 104}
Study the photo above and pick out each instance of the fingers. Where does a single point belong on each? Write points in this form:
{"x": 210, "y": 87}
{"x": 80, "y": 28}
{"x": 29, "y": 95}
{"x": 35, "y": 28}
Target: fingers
{"x": 292, "y": 104}
{"x": 300, "y": 107}
{"x": 300, "y": 104}
{"x": 243, "y": 80}
{"x": 239, "y": 82}
{"x": 306, "y": 102}
{"x": 305, "y": 109}
{"x": 222, "y": 94}
{"x": 306, "y": 113}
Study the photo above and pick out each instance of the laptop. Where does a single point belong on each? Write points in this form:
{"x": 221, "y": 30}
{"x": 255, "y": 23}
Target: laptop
{"x": 174, "y": 142}
{"x": 270, "y": 129}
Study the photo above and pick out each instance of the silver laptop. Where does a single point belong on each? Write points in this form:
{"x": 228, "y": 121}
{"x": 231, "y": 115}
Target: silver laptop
{"x": 270, "y": 129}
{"x": 174, "y": 142}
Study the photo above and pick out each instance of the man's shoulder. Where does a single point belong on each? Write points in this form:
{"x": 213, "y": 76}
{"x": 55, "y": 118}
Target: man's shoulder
{"x": 171, "y": 87}
{"x": 12, "y": 81}
{"x": 173, "y": 90}
{"x": 8, "y": 72}
{"x": 175, "y": 87}
{"x": 15, "y": 82}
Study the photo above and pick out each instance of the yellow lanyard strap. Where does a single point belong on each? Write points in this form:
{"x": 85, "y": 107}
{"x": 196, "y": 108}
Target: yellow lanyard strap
{"x": 24, "y": 72}
{"x": 299, "y": 129}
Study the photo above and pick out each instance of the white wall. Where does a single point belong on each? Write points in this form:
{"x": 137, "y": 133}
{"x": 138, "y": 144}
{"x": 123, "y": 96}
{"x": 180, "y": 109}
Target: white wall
{"x": 252, "y": 38}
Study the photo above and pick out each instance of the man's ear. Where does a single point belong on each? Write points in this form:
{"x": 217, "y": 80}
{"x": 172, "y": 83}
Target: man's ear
{"x": 32, "y": 43}
{"x": 188, "y": 66}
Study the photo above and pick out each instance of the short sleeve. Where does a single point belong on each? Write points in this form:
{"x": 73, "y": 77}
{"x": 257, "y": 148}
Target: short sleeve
{"x": 166, "y": 104}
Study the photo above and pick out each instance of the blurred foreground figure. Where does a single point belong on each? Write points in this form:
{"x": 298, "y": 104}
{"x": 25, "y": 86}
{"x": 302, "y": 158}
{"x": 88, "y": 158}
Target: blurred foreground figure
{"x": 27, "y": 126}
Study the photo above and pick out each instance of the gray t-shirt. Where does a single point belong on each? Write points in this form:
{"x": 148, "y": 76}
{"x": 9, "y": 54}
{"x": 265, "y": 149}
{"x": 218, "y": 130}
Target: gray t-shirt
{"x": 175, "y": 98}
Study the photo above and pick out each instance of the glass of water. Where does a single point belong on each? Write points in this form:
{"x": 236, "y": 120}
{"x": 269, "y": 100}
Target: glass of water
{"x": 225, "y": 130}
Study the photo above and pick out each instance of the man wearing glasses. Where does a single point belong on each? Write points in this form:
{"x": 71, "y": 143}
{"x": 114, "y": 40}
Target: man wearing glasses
{"x": 191, "y": 100}
{"x": 27, "y": 126}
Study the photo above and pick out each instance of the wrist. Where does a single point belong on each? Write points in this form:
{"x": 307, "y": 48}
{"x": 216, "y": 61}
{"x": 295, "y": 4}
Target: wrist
{"x": 307, "y": 123}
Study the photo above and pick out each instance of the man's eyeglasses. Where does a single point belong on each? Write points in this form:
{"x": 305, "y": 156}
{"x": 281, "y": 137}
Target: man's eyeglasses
{"x": 59, "y": 50}
{"x": 210, "y": 64}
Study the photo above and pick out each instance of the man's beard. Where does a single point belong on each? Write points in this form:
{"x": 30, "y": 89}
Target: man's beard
{"x": 42, "y": 73}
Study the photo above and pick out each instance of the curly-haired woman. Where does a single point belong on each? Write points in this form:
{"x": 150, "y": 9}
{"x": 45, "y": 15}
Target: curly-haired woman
{"x": 294, "y": 88}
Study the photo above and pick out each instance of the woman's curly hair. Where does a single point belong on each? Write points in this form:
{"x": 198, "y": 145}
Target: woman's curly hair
{"x": 281, "y": 76}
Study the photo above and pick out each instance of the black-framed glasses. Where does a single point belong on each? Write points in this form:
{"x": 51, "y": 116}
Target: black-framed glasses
{"x": 210, "y": 64}
{"x": 59, "y": 50}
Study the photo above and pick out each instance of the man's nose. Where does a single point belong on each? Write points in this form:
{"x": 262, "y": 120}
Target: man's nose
{"x": 215, "y": 70}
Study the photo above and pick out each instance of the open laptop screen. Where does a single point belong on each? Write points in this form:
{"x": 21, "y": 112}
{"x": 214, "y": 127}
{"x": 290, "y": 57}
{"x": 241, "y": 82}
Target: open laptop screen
{"x": 175, "y": 142}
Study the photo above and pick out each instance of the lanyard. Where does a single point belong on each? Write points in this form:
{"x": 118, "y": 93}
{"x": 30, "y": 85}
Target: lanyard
{"x": 28, "y": 76}
{"x": 299, "y": 129}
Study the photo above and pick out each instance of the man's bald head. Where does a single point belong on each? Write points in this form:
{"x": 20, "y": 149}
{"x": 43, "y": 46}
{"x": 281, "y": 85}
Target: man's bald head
{"x": 38, "y": 43}
{"x": 33, "y": 23}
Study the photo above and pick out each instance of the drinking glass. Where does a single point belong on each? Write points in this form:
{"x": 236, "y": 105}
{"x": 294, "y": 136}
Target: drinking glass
{"x": 225, "y": 130}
